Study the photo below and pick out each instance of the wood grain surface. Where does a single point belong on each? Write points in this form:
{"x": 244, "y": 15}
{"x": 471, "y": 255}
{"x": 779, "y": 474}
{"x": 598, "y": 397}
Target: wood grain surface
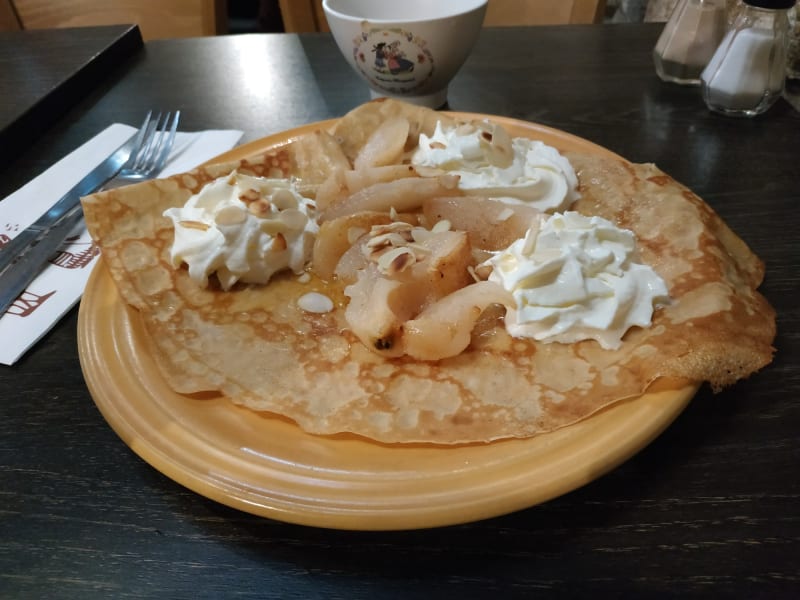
{"x": 710, "y": 508}
{"x": 157, "y": 20}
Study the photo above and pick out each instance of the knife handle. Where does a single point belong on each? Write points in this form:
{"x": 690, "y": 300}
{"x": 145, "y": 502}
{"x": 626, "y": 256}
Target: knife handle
{"x": 14, "y": 281}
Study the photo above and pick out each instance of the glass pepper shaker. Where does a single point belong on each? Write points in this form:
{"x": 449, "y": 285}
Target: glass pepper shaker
{"x": 746, "y": 74}
{"x": 688, "y": 40}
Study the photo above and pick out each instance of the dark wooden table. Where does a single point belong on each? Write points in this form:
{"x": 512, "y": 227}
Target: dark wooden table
{"x": 712, "y": 507}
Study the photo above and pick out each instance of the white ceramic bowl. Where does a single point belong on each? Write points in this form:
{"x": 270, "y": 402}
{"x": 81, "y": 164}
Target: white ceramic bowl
{"x": 407, "y": 49}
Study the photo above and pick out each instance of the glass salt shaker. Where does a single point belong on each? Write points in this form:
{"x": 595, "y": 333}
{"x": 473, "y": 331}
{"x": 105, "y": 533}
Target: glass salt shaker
{"x": 734, "y": 6}
{"x": 746, "y": 74}
{"x": 791, "y": 90}
{"x": 688, "y": 40}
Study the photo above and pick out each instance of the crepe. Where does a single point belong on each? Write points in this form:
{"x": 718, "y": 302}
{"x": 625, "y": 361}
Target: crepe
{"x": 254, "y": 345}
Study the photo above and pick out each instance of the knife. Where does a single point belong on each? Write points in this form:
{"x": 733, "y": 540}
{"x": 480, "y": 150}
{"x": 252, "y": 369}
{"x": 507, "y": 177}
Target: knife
{"x": 22, "y": 258}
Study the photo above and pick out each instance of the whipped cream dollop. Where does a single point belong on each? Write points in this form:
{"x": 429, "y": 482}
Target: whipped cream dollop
{"x": 244, "y": 228}
{"x": 574, "y": 278}
{"x": 492, "y": 164}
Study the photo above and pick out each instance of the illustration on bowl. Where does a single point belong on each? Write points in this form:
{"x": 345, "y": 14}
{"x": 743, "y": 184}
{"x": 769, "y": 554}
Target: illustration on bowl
{"x": 394, "y": 60}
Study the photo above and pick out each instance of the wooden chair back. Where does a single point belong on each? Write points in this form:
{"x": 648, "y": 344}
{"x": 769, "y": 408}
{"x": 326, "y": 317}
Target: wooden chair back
{"x": 307, "y": 15}
{"x": 504, "y": 13}
{"x": 9, "y": 21}
{"x": 303, "y": 16}
{"x": 156, "y": 18}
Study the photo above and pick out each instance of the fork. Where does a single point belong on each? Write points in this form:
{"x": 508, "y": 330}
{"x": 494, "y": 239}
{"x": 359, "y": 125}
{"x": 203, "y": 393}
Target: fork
{"x": 153, "y": 143}
{"x": 23, "y": 258}
{"x": 151, "y": 146}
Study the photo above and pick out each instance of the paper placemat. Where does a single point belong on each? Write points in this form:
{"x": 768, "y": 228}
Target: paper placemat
{"x": 61, "y": 283}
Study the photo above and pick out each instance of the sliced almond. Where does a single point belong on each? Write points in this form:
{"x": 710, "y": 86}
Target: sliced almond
{"x": 260, "y": 208}
{"x": 396, "y": 260}
{"x": 249, "y": 196}
{"x": 283, "y": 199}
{"x": 194, "y": 225}
{"x": 293, "y": 219}
{"x": 230, "y": 215}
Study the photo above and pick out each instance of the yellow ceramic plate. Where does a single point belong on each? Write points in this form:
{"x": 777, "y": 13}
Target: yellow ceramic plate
{"x": 267, "y": 466}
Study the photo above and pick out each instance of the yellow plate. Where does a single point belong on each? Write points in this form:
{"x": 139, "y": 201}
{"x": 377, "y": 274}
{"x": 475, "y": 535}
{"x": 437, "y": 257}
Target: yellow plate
{"x": 268, "y": 466}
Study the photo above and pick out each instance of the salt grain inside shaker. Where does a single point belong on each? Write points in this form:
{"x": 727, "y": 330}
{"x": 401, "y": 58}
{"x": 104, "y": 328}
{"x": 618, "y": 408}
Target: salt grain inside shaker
{"x": 746, "y": 74}
{"x": 688, "y": 40}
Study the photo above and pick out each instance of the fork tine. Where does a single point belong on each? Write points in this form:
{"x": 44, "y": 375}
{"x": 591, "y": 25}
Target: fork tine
{"x": 145, "y": 149}
{"x": 165, "y": 142}
{"x": 139, "y": 141}
{"x": 154, "y": 142}
{"x": 155, "y": 148}
{"x": 143, "y": 129}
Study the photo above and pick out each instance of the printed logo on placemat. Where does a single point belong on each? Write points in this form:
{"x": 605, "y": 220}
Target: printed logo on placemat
{"x": 27, "y": 303}
{"x": 74, "y": 254}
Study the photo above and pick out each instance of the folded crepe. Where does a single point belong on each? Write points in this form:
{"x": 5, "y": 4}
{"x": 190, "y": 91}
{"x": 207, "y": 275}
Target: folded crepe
{"x": 257, "y": 347}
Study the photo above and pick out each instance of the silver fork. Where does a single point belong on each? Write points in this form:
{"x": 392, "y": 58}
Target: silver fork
{"x": 22, "y": 259}
{"x": 153, "y": 143}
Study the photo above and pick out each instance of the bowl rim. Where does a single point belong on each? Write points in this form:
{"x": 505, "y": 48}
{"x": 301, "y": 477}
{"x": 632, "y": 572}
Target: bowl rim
{"x": 469, "y": 7}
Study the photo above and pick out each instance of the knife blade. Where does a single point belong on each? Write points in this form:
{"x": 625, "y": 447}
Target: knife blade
{"x": 22, "y": 258}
